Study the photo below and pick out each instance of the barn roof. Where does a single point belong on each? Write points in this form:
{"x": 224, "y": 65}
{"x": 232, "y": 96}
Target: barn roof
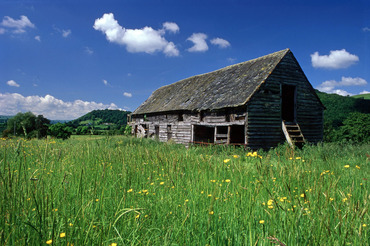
{"x": 231, "y": 86}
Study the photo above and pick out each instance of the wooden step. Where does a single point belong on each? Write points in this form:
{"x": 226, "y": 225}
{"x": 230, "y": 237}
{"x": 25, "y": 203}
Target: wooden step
{"x": 293, "y": 134}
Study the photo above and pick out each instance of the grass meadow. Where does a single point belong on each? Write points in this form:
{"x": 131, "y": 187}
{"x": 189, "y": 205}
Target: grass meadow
{"x": 125, "y": 191}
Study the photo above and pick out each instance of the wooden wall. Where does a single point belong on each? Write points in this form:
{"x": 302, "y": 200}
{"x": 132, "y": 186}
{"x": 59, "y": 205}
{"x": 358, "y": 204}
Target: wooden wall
{"x": 177, "y": 127}
{"x": 264, "y": 108}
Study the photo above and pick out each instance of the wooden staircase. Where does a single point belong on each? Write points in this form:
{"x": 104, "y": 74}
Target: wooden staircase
{"x": 293, "y": 134}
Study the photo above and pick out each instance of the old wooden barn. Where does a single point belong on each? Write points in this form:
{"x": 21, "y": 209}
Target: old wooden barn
{"x": 258, "y": 103}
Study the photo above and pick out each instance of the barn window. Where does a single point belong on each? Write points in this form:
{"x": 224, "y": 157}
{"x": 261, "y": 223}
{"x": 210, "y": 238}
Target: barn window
{"x": 227, "y": 117}
{"x": 181, "y": 117}
{"x": 169, "y": 132}
{"x": 156, "y": 130}
{"x": 201, "y": 116}
{"x": 203, "y": 134}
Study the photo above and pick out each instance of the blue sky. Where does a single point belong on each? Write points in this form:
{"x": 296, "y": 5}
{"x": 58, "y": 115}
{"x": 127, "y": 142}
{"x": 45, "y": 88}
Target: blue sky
{"x": 65, "y": 58}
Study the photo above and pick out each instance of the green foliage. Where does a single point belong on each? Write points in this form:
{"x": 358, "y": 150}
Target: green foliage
{"x": 99, "y": 190}
{"x": 28, "y": 125}
{"x": 356, "y": 128}
{"x": 127, "y": 131}
{"x": 339, "y": 109}
{"x": 60, "y": 130}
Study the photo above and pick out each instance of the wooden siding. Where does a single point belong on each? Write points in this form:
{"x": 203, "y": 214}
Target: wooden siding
{"x": 181, "y": 131}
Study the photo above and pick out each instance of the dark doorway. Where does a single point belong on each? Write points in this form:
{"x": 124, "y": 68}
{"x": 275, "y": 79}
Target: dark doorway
{"x": 237, "y": 135}
{"x": 204, "y": 134}
{"x": 288, "y": 103}
{"x": 156, "y": 129}
{"x": 169, "y": 132}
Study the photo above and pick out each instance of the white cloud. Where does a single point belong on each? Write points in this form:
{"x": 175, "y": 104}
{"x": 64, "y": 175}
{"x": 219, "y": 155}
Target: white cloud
{"x": 364, "y": 92}
{"x": 171, "y": 26}
{"x": 199, "y": 41}
{"x": 105, "y": 82}
{"x": 17, "y": 26}
{"x": 49, "y": 106}
{"x": 231, "y": 60}
{"x": 222, "y": 43}
{"x": 2, "y": 30}
{"x": 12, "y": 83}
{"x": 89, "y": 51}
{"x": 366, "y": 29}
{"x": 66, "y": 33}
{"x": 145, "y": 40}
{"x": 337, "y": 59}
{"x": 38, "y": 38}
{"x": 127, "y": 94}
{"x": 330, "y": 85}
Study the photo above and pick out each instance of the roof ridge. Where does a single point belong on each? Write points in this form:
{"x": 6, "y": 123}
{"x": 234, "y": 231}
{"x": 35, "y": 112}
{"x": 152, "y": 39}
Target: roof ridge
{"x": 285, "y": 51}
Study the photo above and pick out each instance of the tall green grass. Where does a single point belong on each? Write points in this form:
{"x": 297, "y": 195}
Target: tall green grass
{"x": 126, "y": 191}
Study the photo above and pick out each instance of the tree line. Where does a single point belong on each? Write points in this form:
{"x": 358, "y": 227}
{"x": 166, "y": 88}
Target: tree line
{"x": 29, "y": 126}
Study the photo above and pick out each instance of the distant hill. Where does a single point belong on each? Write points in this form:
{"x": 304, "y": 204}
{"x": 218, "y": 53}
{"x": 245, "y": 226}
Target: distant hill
{"x": 4, "y": 118}
{"x": 339, "y": 107}
{"x": 101, "y": 117}
{"x": 362, "y": 96}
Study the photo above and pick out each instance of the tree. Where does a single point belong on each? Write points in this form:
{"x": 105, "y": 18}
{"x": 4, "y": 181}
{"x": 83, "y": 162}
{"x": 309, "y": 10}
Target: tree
{"x": 60, "y": 130}
{"x": 28, "y": 125}
{"x": 356, "y": 128}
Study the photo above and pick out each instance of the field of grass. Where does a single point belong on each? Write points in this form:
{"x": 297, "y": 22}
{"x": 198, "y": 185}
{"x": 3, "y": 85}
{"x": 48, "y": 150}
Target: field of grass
{"x": 363, "y": 96}
{"x": 125, "y": 191}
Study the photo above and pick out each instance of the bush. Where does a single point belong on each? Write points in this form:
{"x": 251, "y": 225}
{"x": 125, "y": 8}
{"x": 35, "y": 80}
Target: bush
{"x": 60, "y": 130}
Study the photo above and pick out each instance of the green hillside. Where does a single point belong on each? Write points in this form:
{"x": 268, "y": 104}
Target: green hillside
{"x": 97, "y": 117}
{"x": 363, "y": 96}
{"x": 339, "y": 107}
{"x": 345, "y": 118}
{"x": 100, "y": 122}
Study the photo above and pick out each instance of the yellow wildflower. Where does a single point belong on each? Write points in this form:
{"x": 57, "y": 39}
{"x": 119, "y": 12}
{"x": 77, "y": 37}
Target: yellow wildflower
{"x": 358, "y": 167}
{"x": 302, "y": 195}
{"x": 96, "y": 200}
{"x": 364, "y": 225}
{"x": 346, "y": 166}
{"x": 235, "y": 156}
{"x": 161, "y": 183}
{"x": 63, "y": 234}
{"x": 130, "y": 190}
{"x": 262, "y": 221}
{"x": 49, "y": 241}
{"x": 113, "y": 244}
{"x": 226, "y": 160}
{"x": 227, "y": 180}
{"x": 211, "y": 212}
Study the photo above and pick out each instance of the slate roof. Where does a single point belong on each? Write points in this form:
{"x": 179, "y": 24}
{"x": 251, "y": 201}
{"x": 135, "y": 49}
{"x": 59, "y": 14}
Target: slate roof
{"x": 231, "y": 86}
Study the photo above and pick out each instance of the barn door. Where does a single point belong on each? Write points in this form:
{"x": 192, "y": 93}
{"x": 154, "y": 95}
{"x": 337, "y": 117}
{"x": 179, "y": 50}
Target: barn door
{"x": 288, "y": 104}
